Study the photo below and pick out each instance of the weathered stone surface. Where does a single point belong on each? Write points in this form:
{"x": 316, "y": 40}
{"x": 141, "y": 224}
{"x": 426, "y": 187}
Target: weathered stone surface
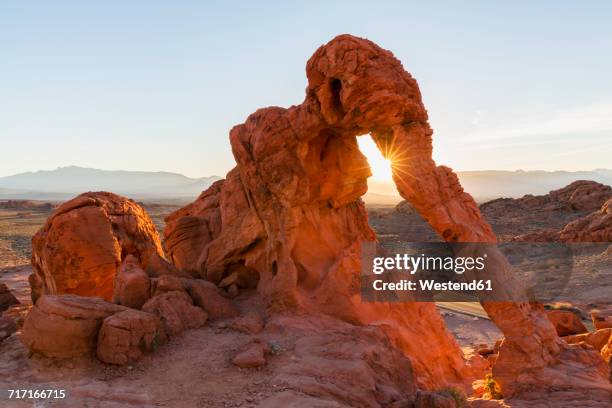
{"x": 289, "y": 219}
{"x": 352, "y": 365}
{"x": 66, "y": 325}
{"x": 251, "y": 357}
{"x": 208, "y": 297}
{"x": 542, "y": 218}
{"x": 602, "y": 319}
{"x": 597, "y": 339}
{"x": 166, "y": 283}
{"x": 176, "y": 311}
{"x": 566, "y": 322}
{"x": 81, "y": 246}
{"x": 125, "y": 336}
{"x": 7, "y": 299}
{"x": 595, "y": 227}
{"x": 157, "y": 266}
{"x": 132, "y": 286}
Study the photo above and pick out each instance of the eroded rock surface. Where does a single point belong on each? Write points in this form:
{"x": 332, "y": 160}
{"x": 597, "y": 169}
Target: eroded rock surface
{"x": 125, "y": 336}
{"x": 595, "y": 227}
{"x": 566, "y": 322}
{"x": 132, "y": 286}
{"x": 83, "y": 243}
{"x": 176, "y": 311}
{"x": 289, "y": 219}
{"x": 66, "y": 326}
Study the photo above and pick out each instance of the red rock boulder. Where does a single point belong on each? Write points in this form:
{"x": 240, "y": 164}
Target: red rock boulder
{"x": 126, "y": 336}
{"x": 602, "y": 319}
{"x": 176, "y": 312}
{"x": 566, "y": 322}
{"x": 208, "y": 297}
{"x": 132, "y": 286}
{"x": 81, "y": 246}
{"x": 67, "y": 325}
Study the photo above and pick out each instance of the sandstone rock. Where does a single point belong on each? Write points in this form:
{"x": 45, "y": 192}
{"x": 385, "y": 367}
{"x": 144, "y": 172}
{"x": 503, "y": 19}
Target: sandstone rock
{"x": 583, "y": 195}
{"x": 597, "y": 339}
{"x": 132, "y": 286}
{"x": 166, "y": 283}
{"x": 189, "y": 229}
{"x": 354, "y": 366}
{"x": 602, "y": 319}
{"x": 7, "y": 327}
{"x": 252, "y": 323}
{"x": 566, "y": 323}
{"x": 606, "y": 353}
{"x": 157, "y": 266}
{"x": 208, "y": 297}
{"x": 82, "y": 244}
{"x": 541, "y": 218}
{"x": 66, "y": 325}
{"x": 252, "y": 357}
{"x": 125, "y": 336}
{"x": 7, "y": 299}
{"x": 288, "y": 219}
{"x": 176, "y": 311}
{"x": 595, "y": 227}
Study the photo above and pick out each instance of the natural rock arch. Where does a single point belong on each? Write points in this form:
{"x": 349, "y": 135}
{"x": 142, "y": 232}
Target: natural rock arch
{"x": 288, "y": 218}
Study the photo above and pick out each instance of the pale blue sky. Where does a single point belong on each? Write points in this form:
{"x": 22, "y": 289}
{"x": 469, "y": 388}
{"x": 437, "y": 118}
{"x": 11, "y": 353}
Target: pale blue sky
{"x": 156, "y": 85}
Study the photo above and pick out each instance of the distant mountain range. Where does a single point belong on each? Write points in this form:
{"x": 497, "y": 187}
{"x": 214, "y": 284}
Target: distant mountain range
{"x": 489, "y": 184}
{"x": 66, "y": 182}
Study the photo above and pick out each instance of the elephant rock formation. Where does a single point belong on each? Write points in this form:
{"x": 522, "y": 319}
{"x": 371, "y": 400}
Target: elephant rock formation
{"x": 288, "y": 219}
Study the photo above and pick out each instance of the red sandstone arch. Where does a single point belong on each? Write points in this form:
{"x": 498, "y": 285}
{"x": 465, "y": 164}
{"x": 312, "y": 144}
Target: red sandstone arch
{"x": 288, "y": 218}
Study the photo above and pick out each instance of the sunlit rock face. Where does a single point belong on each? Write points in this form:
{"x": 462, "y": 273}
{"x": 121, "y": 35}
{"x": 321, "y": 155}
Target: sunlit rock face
{"x": 81, "y": 246}
{"x": 288, "y": 219}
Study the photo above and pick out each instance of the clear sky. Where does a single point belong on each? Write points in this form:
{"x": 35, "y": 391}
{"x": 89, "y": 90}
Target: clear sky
{"x": 156, "y": 85}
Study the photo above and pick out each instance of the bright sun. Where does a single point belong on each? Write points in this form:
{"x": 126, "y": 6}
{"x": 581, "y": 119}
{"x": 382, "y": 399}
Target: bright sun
{"x": 381, "y": 167}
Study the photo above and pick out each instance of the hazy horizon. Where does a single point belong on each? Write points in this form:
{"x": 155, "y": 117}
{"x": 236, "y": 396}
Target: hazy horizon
{"x": 195, "y": 177}
{"x": 150, "y": 86}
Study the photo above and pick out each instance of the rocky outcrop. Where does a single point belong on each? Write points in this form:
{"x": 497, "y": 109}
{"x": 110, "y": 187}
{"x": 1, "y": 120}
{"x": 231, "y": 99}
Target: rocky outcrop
{"x": 7, "y": 299}
{"x": 602, "y": 319}
{"x": 595, "y": 227}
{"x": 66, "y": 326}
{"x": 597, "y": 339}
{"x": 289, "y": 221}
{"x": 207, "y": 296}
{"x": 126, "y": 336}
{"x": 566, "y": 322}
{"x": 82, "y": 245}
{"x": 132, "y": 286}
{"x": 176, "y": 311}
{"x": 541, "y": 218}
